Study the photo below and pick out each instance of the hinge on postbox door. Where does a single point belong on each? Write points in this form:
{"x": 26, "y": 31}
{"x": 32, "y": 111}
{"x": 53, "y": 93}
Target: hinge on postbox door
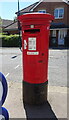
{"x": 25, "y": 45}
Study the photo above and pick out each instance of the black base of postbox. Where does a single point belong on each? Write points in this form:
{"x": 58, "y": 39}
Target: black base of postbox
{"x": 35, "y": 93}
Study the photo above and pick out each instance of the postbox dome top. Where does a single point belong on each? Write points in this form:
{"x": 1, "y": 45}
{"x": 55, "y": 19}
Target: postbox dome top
{"x": 35, "y": 17}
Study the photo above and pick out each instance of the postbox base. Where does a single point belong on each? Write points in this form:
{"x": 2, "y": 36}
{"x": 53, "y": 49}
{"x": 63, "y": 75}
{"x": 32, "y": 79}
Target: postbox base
{"x": 35, "y": 93}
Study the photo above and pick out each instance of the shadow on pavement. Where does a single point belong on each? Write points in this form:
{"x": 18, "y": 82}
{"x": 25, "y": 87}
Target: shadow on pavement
{"x": 39, "y": 112}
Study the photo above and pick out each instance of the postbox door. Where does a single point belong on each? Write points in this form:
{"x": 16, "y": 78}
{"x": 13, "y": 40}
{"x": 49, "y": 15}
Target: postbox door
{"x": 34, "y": 59}
{"x": 30, "y": 56}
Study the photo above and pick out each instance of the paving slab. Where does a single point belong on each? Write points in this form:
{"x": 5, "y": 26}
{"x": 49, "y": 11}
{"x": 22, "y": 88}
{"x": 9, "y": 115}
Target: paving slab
{"x": 57, "y": 102}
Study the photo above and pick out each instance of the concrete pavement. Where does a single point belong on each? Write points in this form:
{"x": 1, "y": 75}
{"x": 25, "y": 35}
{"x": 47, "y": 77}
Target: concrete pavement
{"x": 57, "y": 98}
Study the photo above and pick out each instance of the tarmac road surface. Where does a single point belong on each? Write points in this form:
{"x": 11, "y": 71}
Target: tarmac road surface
{"x": 11, "y": 66}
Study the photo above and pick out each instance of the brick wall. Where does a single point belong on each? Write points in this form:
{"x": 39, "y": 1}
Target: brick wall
{"x": 11, "y": 31}
{"x": 50, "y": 7}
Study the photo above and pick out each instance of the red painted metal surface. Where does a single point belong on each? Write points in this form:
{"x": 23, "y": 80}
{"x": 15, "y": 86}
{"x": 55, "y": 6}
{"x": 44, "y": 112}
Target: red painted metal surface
{"x": 35, "y": 43}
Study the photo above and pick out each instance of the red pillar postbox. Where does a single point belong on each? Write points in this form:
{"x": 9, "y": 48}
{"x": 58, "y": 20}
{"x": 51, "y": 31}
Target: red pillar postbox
{"x": 35, "y": 43}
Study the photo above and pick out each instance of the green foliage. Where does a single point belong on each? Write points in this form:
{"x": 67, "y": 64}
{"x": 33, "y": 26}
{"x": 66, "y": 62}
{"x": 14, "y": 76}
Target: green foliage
{"x": 0, "y": 25}
{"x": 0, "y": 21}
{"x": 10, "y": 41}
